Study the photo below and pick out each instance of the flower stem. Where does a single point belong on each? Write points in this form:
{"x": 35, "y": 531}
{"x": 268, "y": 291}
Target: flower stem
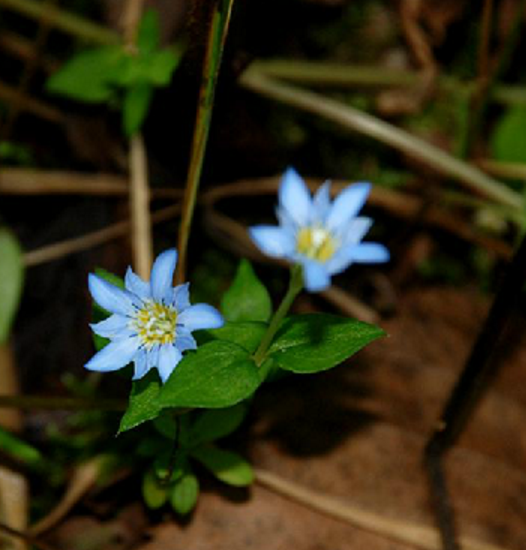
{"x": 295, "y": 285}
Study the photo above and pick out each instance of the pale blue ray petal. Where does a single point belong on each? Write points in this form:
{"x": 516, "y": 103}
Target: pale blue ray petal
{"x": 183, "y": 343}
{"x": 273, "y": 240}
{"x": 346, "y": 205}
{"x": 169, "y": 357}
{"x": 200, "y": 316}
{"x": 357, "y": 229}
{"x": 341, "y": 260}
{"x": 114, "y": 326}
{"x": 315, "y": 276}
{"x": 152, "y": 357}
{"x": 370, "y": 253}
{"x": 140, "y": 364}
{"x": 181, "y": 297}
{"x": 295, "y": 198}
{"x": 114, "y": 356}
{"x": 285, "y": 221}
{"x": 162, "y": 274}
{"x": 322, "y": 202}
{"x": 110, "y": 297}
{"x": 136, "y": 285}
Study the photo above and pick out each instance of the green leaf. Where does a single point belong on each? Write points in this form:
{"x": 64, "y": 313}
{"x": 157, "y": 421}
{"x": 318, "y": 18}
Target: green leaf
{"x": 246, "y": 299}
{"x": 507, "y": 142}
{"x": 166, "y": 425}
{"x": 149, "y": 34}
{"x": 19, "y": 449}
{"x": 184, "y": 494}
{"x": 227, "y": 466}
{"x": 162, "y": 65}
{"x": 144, "y": 402}
{"x": 317, "y": 342}
{"x": 246, "y": 334}
{"x": 11, "y": 280}
{"x": 88, "y": 76}
{"x": 217, "y": 375}
{"x": 155, "y": 495}
{"x": 217, "y": 423}
{"x": 136, "y": 103}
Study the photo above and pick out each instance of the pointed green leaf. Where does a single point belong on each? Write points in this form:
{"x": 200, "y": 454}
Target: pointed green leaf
{"x": 227, "y": 466}
{"x": 136, "y": 103}
{"x": 162, "y": 65}
{"x": 507, "y": 142}
{"x": 317, "y": 342}
{"x": 11, "y": 280}
{"x": 144, "y": 402}
{"x": 149, "y": 34}
{"x": 216, "y": 423}
{"x": 184, "y": 494}
{"x": 217, "y": 375}
{"x": 88, "y": 75}
{"x": 246, "y": 334}
{"x": 246, "y": 299}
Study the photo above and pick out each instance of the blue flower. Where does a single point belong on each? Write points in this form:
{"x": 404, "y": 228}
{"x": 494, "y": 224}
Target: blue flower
{"x": 323, "y": 236}
{"x": 151, "y": 322}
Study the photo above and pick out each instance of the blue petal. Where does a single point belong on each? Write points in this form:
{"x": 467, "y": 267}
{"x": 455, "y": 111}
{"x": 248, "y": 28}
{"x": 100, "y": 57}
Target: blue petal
{"x": 136, "y": 285}
{"x": 169, "y": 357}
{"x": 370, "y": 253}
{"x": 200, "y": 316}
{"x": 322, "y": 202}
{"x": 162, "y": 274}
{"x": 346, "y": 205}
{"x": 181, "y": 297}
{"x": 113, "y": 327}
{"x": 114, "y": 356}
{"x": 273, "y": 240}
{"x": 357, "y": 229}
{"x": 140, "y": 364}
{"x": 110, "y": 297}
{"x": 295, "y": 198}
{"x": 183, "y": 343}
{"x": 152, "y": 357}
{"x": 315, "y": 276}
{"x": 341, "y": 260}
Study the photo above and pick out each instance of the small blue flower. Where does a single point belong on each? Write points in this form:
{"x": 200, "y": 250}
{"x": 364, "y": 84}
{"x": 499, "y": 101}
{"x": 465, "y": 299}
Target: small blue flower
{"x": 323, "y": 236}
{"x": 151, "y": 322}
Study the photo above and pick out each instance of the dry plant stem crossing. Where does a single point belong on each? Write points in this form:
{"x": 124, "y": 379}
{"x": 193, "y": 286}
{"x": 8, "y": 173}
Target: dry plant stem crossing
{"x": 384, "y": 132}
{"x": 420, "y": 536}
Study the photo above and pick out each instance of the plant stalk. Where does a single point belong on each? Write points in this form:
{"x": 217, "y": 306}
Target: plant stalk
{"x": 295, "y": 285}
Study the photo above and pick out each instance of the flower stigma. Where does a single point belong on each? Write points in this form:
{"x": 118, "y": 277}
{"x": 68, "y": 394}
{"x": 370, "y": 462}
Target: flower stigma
{"x": 316, "y": 243}
{"x": 155, "y": 324}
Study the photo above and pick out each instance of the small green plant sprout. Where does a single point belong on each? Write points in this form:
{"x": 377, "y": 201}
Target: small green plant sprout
{"x": 196, "y": 369}
{"x": 111, "y": 74}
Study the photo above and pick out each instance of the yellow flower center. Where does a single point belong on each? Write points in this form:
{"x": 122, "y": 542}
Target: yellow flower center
{"x": 155, "y": 324}
{"x": 316, "y": 243}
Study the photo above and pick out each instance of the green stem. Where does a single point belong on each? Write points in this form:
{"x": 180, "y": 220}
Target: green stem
{"x": 295, "y": 285}
{"x": 214, "y": 53}
{"x": 63, "y": 20}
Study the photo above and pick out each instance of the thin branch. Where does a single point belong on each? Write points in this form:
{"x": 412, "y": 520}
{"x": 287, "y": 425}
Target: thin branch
{"x": 417, "y": 535}
{"x": 63, "y": 20}
{"x": 384, "y": 132}
{"x": 9, "y": 94}
{"x": 41, "y": 545}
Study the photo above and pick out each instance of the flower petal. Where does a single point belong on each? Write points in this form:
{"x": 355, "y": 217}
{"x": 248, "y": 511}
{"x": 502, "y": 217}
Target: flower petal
{"x": 181, "y": 297}
{"x": 169, "y": 357}
{"x": 346, "y": 205}
{"x": 162, "y": 274}
{"x": 115, "y": 326}
{"x": 136, "y": 285}
{"x": 183, "y": 343}
{"x": 200, "y": 316}
{"x": 321, "y": 203}
{"x": 140, "y": 364}
{"x": 315, "y": 276}
{"x": 273, "y": 240}
{"x": 295, "y": 198}
{"x": 357, "y": 229}
{"x": 114, "y": 356}
{"x": 370, "y": 253}
{"x": 110, "y": 297}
